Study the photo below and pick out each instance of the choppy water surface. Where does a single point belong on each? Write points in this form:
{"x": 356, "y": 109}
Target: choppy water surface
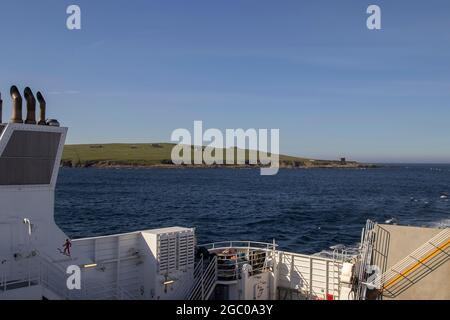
{"x": 303, "y": 210}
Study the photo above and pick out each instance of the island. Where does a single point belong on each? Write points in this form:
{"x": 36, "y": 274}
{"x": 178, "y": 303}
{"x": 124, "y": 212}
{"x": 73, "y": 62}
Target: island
{"x": 158, "y": 155}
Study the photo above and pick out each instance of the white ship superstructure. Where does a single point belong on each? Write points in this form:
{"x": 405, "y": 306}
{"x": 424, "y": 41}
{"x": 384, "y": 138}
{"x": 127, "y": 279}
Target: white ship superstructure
{"x": 393, "y": 262}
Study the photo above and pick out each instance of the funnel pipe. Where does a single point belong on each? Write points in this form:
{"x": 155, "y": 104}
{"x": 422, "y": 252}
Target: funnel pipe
{"x": 42, "y": 105}
{"x": 31, "y": 106}
{"x": 16, "y": 105}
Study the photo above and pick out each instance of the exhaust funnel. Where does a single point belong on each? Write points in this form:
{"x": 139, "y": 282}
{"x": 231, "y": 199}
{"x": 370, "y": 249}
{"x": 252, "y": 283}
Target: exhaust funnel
{"x": 31, "y": 106}
{"x": 42, "y": 105}
{"x": 16, "y": 105}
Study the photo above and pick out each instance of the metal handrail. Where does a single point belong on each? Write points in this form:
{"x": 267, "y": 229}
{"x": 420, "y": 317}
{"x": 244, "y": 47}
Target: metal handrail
{"x": 198, "y": 290}
{"x": 4, "y": 284}
{"x": 367, "y": 243}
{"x": 232, "y": 270}
{"x": 238, "y": 245}
{"x": 30, "y": 279}
{"x": 310, "y": 278}
{"x": 205, "y": 283}
{"x": 418, "y": 257}
{"x": 186, "y": 286}
{"x": 55, "y": 279}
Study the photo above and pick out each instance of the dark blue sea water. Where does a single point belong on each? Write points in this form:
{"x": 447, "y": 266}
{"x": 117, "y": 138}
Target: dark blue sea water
{"x": 303, "y": 210}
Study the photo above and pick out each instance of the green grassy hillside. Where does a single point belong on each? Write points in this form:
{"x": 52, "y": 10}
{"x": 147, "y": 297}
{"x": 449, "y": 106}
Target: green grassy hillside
{"x": 145, "y": 155}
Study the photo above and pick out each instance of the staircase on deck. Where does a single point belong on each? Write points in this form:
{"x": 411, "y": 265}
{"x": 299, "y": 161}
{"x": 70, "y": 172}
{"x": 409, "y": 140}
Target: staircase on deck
{"x": 415, "y": 266}
{"x": 205, "y": 280}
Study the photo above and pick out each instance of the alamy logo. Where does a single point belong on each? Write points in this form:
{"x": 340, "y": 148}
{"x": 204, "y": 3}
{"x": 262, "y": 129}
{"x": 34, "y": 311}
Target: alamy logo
{"x": 73, "y": 21}
{"x": 374, "y": 279}
{"x": 74, "y": 280}
{"x": 233, "y": 150}
{"x": 374, "y": 20}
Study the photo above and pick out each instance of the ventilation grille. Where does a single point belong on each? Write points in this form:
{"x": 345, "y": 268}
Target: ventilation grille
{"x": 175, "y": 251}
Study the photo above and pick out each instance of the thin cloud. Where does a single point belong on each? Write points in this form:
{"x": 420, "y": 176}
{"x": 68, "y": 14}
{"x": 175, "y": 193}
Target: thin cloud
{"x": 65, "y": 92}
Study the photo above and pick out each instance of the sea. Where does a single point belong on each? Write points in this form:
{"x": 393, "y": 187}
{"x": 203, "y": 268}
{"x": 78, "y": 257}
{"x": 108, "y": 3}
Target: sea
{"x": 302, "y": 210}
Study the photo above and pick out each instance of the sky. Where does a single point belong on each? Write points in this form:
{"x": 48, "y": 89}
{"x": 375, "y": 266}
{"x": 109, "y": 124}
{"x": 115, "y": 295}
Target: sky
{"x": 137, "y": 70}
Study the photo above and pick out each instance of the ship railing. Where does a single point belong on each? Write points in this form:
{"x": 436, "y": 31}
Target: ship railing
{"x": 229, "y": 266}
{"x": 54, "y": 277}
{"x": 205, "y": 282}
{"x": 259, "y": 255}
{"x": 189, "y": 283}
{"x": 240, "y": 245}
{"x": 416, "y": 265}
{"x": 308, "y": 277}
{"x": 365, "y": 258}
{"x": 29, "y": 279}
{"x": 51, "y": 276}
{"x": 23, "y": 282}
{"x": 6, "y": 285}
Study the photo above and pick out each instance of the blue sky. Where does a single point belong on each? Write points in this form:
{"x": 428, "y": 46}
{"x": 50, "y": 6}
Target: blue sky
{"x": 140, "y": 69}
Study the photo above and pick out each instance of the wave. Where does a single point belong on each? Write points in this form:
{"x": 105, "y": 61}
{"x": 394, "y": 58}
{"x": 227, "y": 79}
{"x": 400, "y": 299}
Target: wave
{"x": 443, "y": 223}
